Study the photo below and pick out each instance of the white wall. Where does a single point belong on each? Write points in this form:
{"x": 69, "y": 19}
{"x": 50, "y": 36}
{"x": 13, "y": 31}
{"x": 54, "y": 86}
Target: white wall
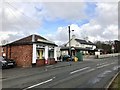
{"x": 108, "y": 55}
{"x": 74, "y": 43}
{"x": 34, "y": 56}
{"x": 97, "y": 53}
{"x": 58, "y": 51}
{"x": 55, "y": 53}
{"x": 46, "y": 52}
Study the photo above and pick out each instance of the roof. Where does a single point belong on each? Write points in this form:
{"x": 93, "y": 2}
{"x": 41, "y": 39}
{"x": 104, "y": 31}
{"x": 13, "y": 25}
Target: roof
{"x": 81, "y": 42}
{"x": 77, "y": 48}
{"x": 84, "y": 42}
{"x": 32, "y": 39}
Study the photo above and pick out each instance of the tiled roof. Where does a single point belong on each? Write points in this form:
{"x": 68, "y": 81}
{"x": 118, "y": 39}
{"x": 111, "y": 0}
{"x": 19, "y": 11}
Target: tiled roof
{"x": 32, "y": 39}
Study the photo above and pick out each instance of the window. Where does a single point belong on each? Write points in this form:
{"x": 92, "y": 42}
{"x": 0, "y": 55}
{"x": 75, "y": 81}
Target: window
{"x": 51, "y": 53}
{"x": 40, "y": 54}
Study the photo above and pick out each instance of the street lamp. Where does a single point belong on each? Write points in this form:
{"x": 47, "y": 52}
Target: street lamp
{"x": 69, "y": 41}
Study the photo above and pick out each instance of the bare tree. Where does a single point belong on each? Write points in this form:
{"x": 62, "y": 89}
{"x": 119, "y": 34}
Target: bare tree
{"x": 3, "y": 42}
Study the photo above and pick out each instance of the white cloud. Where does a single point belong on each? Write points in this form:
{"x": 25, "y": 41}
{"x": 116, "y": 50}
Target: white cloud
{"x": 64, "y": 10}
{"x": 107, "y": 13}
{"x": 25, "y": 17}
{"x": 101, "y": 27}
{"x": 18, "y": 20}
{"x": 105, "y": 25}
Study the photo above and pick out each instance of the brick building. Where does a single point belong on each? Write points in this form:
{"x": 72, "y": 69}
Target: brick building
{"x": 31, "y": 50}
{"x": 0, "y": 50}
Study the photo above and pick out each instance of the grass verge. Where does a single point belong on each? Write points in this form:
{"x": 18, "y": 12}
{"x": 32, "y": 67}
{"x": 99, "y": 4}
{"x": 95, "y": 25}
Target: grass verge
{"x": 115, "y": 84}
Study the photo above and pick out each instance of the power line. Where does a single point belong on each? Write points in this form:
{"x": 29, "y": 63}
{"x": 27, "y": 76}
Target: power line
{"x": 16, "y": 17}
{"x": 30, "y": 18}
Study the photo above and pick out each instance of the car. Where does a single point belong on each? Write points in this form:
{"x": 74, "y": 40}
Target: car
{"x": 66, "y": 58}
{"x": 7, "y": 63}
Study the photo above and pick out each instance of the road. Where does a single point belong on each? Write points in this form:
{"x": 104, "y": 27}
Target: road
{"x": 87, "y": 74}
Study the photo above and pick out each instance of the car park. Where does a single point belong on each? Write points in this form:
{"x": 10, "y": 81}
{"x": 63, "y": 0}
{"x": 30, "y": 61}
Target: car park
{"x": 7, "y": 63}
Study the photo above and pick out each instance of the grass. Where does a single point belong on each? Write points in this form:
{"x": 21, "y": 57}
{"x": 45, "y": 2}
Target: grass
{"x": 116, "y": 83}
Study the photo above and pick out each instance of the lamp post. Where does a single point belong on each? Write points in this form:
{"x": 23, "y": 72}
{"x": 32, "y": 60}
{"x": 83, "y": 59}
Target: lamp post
{"x": 69, "y": 41}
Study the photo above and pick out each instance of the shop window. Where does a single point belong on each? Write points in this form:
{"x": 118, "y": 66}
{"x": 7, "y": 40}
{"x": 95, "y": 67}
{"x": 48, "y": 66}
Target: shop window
{"x": 51, "y": 53}
{"x": 40, "y": 54}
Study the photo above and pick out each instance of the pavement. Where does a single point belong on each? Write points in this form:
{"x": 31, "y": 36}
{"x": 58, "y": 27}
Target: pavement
{"x": 22, "y": 72}
{"x": 95, "y": 73}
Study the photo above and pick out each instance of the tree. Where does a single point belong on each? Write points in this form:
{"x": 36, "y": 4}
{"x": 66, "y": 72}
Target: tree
{"x": 106, "y": 47}
{"x": 117, "y": 46}
{"x": 3, "y": 42}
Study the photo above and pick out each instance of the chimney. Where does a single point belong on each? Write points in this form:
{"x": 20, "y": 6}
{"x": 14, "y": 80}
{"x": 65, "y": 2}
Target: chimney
{"x": 33, "y": 38}
{"x": 86, "y": 39}
{"x": 73, "y": 36}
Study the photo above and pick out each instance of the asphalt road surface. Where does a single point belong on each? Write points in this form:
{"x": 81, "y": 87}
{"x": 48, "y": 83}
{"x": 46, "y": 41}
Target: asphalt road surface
{"x": 87, "y": 74}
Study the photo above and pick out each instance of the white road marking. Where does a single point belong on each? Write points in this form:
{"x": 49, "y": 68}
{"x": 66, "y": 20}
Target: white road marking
{"x": 106, "y": 65}
{"x": 90, "y": 70}
{"x": 113, "y": 63}
{"x": 101, "y": 63}
{"x": 103, "y": 66}
{"x": 79, "y": 70}
{"x": 39, "y": 84}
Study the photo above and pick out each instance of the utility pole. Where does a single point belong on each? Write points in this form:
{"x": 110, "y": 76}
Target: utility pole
{"x": 69, "y": 41}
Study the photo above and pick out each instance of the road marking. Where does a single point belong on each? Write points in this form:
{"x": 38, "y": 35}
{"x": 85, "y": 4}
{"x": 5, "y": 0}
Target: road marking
{"x": 113, "y": 63}
{"x": 103, "y": 66}
{"x": 106, "y": 65}
{"x": 79, "y": 70}
{"x": 39, "y": 84}
{"x": 90, "y": 70}
{"x": 101, "y": 63}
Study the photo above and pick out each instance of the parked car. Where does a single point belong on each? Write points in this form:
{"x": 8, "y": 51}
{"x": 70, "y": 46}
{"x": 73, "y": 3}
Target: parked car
{"x": 7, "y": 63}
{"x": 67, "y": 58}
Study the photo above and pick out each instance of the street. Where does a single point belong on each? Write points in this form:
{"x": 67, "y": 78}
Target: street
{"x": 95, "y": 73}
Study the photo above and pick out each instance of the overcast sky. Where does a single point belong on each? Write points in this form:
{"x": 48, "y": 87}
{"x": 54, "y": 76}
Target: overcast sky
{"x": 95, "y": 20}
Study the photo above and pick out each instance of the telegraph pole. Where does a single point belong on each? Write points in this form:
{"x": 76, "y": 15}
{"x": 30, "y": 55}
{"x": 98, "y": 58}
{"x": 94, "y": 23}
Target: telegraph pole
{"x": 69, "y": 41}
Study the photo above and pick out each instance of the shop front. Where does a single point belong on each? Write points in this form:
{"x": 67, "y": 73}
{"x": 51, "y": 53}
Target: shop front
{"x": 32, "y": 50}
{"x": 44, "y": 54}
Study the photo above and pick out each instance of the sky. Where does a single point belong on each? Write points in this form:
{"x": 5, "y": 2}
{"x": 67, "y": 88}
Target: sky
{"x": 96, "y": 20}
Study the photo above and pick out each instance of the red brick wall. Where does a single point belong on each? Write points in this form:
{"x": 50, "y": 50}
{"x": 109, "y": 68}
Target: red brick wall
{"x": 0, "y": 50}
{"x": 21, "y": 54}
